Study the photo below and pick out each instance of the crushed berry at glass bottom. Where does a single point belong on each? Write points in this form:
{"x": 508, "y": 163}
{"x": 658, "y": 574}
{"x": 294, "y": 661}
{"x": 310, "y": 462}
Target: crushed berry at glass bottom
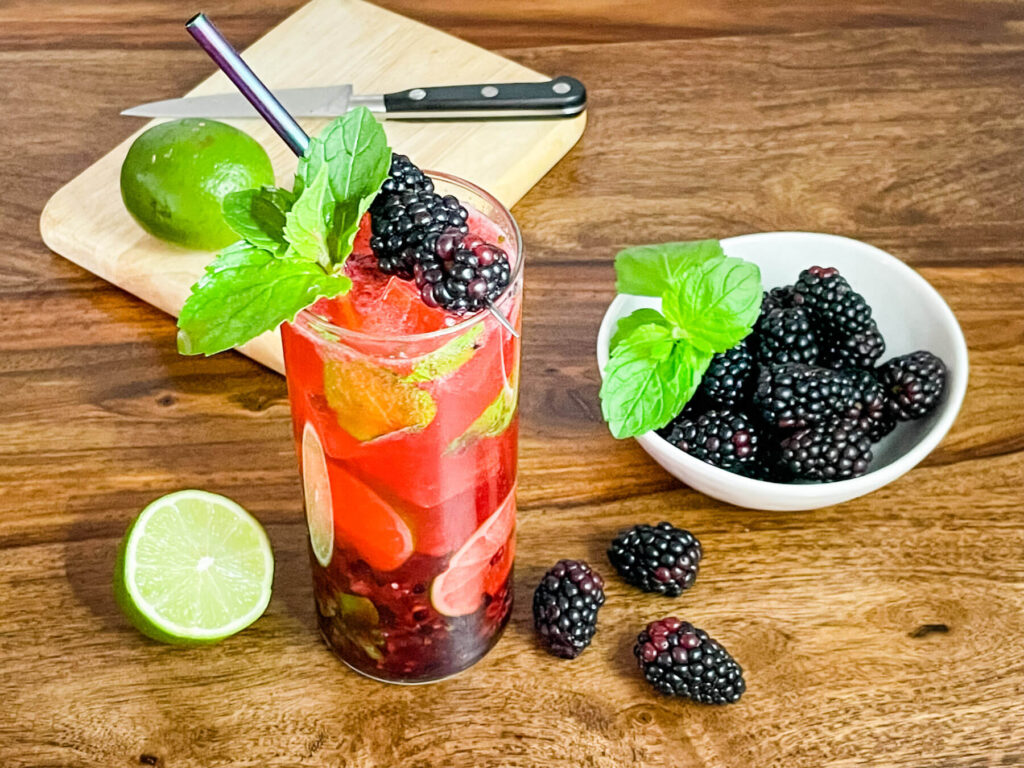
{"x": 384, "y": 626}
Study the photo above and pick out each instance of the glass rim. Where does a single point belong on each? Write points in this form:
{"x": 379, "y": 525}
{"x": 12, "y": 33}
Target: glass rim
{"x": 322, "y": 324}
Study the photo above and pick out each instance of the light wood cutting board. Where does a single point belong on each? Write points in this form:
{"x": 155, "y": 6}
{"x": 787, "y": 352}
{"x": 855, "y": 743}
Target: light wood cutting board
{"x": 324, "y": 42}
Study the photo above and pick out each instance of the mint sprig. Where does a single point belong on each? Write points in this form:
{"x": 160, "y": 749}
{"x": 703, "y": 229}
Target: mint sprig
{"x": 355, "y": 152}
{"x": 628, "y": 324}
{"x": 308, "y": 223}
{"x": 715, "y": 303}
{"x": 647, "y": 270}
{"x": 246, "y": 291}
{"x": 709, "y": 304}
{"x": 294, "y": 243}
{"x": 258, "y": 216}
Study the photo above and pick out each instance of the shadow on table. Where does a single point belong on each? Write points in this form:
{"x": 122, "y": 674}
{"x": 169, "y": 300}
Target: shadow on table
{"x": 90, "y": 553}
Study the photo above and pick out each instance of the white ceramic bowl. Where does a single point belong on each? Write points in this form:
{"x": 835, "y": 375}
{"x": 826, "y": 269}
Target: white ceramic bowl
{"x": 910, "y": 314}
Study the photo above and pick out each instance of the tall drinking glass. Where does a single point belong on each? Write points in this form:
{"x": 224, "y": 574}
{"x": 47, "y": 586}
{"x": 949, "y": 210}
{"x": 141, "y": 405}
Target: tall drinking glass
{"x": 407, "y": 445}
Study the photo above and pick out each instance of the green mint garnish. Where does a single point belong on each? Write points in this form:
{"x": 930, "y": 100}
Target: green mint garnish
{"x": 247, "y": 291}
{"x": 640, "y": 317}
{"x": 355, "y": 151}
{"x": 295, "y": 243}
{"x": 709, "y": 302}
{"x": 715, "y": 303}
{"x": 308, "y": 224}
{"x": 648, "y": 270}
{"x": 258, "y": 216}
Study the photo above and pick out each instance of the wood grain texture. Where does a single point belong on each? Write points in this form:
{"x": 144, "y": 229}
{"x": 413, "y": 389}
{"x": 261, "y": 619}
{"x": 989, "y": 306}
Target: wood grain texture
{"x": 377, "y": 52}
{"x": 84, "y": 24}
{"x": 882, "y": 632}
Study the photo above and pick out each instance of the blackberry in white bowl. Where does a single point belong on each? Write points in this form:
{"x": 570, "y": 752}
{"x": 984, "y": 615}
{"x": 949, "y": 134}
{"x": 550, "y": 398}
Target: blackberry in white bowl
{"x": 863, "y": 303}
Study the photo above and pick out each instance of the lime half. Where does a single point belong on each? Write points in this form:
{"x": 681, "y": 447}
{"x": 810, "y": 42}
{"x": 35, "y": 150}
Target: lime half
{"x": 194, "y": 568}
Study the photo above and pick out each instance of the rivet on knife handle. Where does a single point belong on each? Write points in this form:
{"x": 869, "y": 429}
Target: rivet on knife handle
{"x": 561, "y": 97}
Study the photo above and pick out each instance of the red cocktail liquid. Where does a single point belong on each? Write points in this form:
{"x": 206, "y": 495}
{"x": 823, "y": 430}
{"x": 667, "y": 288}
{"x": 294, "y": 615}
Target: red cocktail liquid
{"x": 406, "y": 425}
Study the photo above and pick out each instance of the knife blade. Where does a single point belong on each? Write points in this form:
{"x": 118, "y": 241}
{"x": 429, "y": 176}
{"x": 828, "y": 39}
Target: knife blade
{"x": 561, "y": 97}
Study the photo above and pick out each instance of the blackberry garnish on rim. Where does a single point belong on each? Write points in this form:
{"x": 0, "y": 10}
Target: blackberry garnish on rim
{"x": 460, "y": 273}
{"x": 422, "y": 236}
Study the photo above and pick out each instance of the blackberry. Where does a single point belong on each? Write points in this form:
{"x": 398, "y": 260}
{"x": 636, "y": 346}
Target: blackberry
{"x": 914, "y": 384}
{"x": 565, "y": 606}
{"x": 861, "y": 350}
{"x": 726, "y": 439}
{"x": 404, "y": 176}
{"x": 765, "y": 470}
{"x": 729, "y": 378}
{"x": 798, "y": 395}
{"x": 678, "y": 659}
{"x": 873, "y": 414}
{"x": 656, "y": 558}
{"x": 784, "y": 336}
{"x": 835, "y": 307}
{"x": 405, "y": 213}
{"x": 782, "y": 297}
{"x": 460, "y": 273}
{"x": 826, "y": 452}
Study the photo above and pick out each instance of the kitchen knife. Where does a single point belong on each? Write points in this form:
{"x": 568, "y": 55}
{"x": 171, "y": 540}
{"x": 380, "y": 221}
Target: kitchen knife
{"x": 561, "y": 97}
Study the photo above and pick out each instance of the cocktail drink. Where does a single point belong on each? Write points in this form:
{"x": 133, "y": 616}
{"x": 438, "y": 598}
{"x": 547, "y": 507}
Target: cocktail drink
{"x": 399, "y": 298}
{"x": 405, "y": 422}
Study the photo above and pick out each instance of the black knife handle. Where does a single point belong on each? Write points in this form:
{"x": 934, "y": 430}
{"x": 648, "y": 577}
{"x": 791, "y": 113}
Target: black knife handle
{"x": 561, "y": 97}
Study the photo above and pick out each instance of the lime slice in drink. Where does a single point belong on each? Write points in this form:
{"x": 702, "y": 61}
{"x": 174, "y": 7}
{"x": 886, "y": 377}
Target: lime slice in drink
{"x": 372, "y": 402}
{"x": 495, "y": 419}
{"x": 193, "y": 568}
{"x": 481, "y": 563}
{"x": 316, "y": 487}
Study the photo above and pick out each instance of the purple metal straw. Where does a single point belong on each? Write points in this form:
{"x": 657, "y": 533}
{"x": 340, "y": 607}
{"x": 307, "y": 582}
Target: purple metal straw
{"x": 226, "y": 57}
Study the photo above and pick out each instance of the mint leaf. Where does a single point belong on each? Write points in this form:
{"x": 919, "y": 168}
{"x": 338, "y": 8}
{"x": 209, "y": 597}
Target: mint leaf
{"x": 447, "y": 359}
{"x": 715, "y": 303}
{"x": 313, "y": 158}
{"x": 295, "y": 243}
{"x": 246, "y": 291}
{"x": 628, "y": 324}
{"x": 355, "y": 150}
{"x": 344, "y": 228}
{"x": 649, "y": 270}
{"x": 258, "y": 216}
{"x": 650, "y": 376}
{"x": 308, "y": 224}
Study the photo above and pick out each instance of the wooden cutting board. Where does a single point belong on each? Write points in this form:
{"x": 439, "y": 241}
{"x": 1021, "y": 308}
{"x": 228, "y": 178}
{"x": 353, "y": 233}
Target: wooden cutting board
{"x": 324, "y": 42}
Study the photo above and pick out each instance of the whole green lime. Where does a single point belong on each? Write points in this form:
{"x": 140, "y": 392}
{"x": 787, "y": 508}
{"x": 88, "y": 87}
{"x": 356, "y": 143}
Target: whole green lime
{"x": 176, "y": 174}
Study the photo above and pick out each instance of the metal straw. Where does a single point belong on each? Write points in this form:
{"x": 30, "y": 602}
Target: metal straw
{"x": 226, "y": 57}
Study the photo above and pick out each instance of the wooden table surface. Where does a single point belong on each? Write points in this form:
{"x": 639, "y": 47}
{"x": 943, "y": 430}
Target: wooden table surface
{"x": 886, "y": 631}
